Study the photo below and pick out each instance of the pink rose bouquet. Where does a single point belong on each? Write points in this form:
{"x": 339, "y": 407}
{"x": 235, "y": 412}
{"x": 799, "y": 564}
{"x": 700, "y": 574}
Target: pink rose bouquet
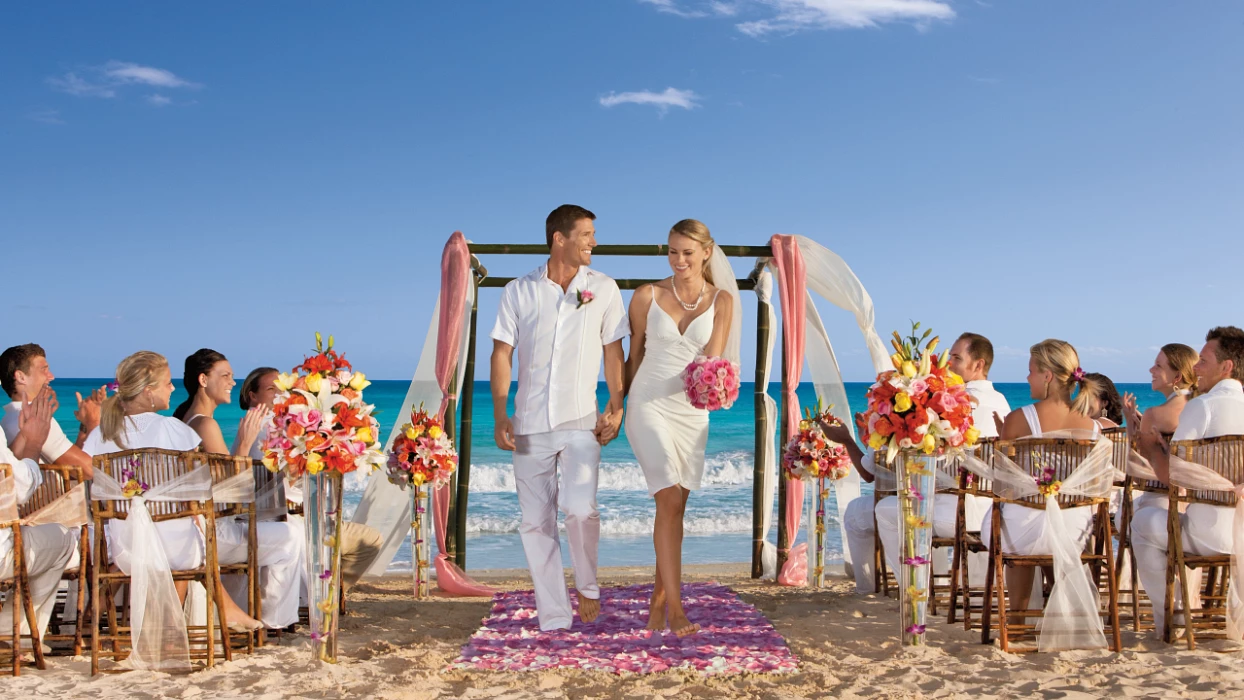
{"x": 809, "y": 455}
{"x": 711, "y": 382}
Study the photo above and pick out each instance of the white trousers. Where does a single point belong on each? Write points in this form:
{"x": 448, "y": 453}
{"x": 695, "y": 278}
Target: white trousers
{"x": 1024, "y": 529}
{"x": 47, "y": 550}
{"x": 1206, "y": 530}
{"x": 944, "y": 509}
{"x": 281, "y": 562}
{"x": 857, "y": 523}
{"x": 537, "y": 460}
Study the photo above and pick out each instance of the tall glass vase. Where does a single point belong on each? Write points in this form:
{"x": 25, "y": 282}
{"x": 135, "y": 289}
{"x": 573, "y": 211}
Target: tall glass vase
{"x": 420, "y": 548}
{"x": 816, "y": 533}
{"x": 916, "y": 473}
{"x": 322, "y": 510}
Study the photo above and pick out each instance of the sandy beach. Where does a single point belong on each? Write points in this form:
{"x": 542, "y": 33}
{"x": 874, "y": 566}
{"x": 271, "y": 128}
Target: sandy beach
{"x": 393, "y": 647}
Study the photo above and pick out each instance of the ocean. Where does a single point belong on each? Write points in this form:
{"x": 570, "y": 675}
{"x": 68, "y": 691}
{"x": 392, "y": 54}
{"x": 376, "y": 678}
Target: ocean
{"x": 719, "y": 516}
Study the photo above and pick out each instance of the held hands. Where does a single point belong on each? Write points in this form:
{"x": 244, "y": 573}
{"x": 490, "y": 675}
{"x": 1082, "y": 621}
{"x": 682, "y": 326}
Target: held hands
{"x": 608, "y": 425}
{"x": 503, "y": 433}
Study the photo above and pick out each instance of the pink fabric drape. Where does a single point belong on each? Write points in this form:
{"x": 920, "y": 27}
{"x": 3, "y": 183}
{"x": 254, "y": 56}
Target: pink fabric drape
{"x": 455, "y": 276}
{"x": 792, "y": 286}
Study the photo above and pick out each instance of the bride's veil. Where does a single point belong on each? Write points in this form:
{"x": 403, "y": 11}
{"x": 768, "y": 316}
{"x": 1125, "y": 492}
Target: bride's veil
{"x": 723, "y": 278}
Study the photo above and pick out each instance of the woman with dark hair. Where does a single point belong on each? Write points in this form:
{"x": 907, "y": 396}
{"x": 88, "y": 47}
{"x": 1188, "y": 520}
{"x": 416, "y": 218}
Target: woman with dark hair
{"x": 1106, "y": 404}
{"x": 209, "y": 381}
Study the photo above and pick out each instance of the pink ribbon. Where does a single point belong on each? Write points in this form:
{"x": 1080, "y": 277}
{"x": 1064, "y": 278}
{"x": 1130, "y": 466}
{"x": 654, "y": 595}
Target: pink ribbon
{"x": 792, "y": 283}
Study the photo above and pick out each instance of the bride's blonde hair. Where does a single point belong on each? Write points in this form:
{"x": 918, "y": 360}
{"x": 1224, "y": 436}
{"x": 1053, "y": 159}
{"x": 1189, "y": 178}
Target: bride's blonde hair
{"x": 698, "y": 232}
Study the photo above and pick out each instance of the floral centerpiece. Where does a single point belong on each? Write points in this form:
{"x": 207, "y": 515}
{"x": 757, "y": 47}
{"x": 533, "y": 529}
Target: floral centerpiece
{"x": 131, "y": 485}
{"x": 917, "y": 413}
{"x": 320, "y": 431}
{"x": 711, "y": 383}
{"x": 811, "y": 456}
{"x": 422, "y": 454}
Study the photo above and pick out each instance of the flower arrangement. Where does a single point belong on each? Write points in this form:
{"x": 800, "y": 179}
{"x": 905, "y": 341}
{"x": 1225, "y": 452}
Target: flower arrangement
{"x": 422, "y": 453}
{"x": 920, "y": 404}
{"x": 711, "y": 382}
{"x": 1047, "y": 484}
{"x": 809, "y": 455}
{"x": 319, "y": 420}
{"x": 131, "y": 485}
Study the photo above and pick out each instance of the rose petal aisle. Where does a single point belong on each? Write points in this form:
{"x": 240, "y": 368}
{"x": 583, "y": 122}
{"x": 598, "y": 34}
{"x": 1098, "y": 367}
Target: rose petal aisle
{"x": 735, "y": 637}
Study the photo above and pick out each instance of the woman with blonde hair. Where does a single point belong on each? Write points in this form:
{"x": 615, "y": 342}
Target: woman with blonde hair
{"x": 129, "y": 421}
{"x": 672, "y": 322}
{"x": 1065, "y": 396}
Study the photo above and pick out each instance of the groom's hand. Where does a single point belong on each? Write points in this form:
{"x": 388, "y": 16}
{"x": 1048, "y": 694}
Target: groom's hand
{"x": 503, "y": 433}
{"x": 608, "y": 424}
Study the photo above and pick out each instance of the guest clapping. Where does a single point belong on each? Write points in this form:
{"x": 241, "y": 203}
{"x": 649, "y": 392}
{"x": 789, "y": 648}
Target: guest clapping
{"x": 26, "y": 377}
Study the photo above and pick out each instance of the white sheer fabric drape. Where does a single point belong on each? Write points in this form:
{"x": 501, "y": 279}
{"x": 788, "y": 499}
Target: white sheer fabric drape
{"x": 239, "y": 488}
{"x": 768, "y": 459}
{"x": 157, "y": 622}
{"x": 1190, "y": 475}
{"x": 1072, "y": 617}
{"x": 385, "y": 506}
{"x": 723, "y": 278}
{"x": 69, "y": 510}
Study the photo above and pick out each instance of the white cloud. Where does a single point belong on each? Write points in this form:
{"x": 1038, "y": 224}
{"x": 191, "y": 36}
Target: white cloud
{"x": 46, "y": 116}
{"x": 671, "y": 97}
{"x": 789, "y": 16}
{"x": 158, "y": 100}
{"x": 105, "y": 81}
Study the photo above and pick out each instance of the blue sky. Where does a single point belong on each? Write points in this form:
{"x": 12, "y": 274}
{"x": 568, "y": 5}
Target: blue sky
{"x": 237, "y": 176}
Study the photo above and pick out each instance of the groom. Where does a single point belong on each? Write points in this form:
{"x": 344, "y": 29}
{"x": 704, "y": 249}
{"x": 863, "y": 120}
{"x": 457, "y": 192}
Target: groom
{"x": 562, "y": 318}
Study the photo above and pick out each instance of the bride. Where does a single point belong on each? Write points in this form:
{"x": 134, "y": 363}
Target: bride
{"x": 672, "y": 322}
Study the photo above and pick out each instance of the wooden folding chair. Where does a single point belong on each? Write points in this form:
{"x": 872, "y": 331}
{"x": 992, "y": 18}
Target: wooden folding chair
{"x": 154, "y": 467}
{"x": 17, "y": 584}
{"x": 942, "y": 586}
{"x": 1132, "y": 598}
{"x": 1064, "y": 455}
{"x": 224, "y": 467}
{"x": 55, "y": 500}
{"x": 1225, "y": 456}
{"x": 967, "y": 540}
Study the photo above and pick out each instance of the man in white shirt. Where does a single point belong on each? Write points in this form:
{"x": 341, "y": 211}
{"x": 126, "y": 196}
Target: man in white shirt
{"x": 970, "y": 357}
{"x": 1219, "y": 411}
{"x": 563, "y": 318}
{"x": 25, "y": 375}
{"x": 47, "y": 549}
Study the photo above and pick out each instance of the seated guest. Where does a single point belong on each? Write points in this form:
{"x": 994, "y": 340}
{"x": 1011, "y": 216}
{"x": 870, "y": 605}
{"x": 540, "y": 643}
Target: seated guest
{"x": 1064, "y": 395}
{"x": 25, "y": 374}
{"x": 1106, "y": 405}
{"x": 208, "y": 379}
{"x": 360, "y": 544}
{"x": 47, "y": 549}
{"x": 970, "y": 357}
{"x": 1218, "y": 411}
{"x": 1172, "y": 375}
{"x": 129, "y": 421}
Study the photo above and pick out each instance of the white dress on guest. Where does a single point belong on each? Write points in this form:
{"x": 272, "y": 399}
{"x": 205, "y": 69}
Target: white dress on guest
{"x": 1024, "y": 529}
{"x": 667, "y": 433}
{"x": 183, "y": 540}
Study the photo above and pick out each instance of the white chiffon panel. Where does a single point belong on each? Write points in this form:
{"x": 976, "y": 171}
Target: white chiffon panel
{"x": 723, "y": 278}
{"x": 8, "y": 499}
{"x": 1190, "y": 475}
{"x": 157, "y": 622}
{"x": 769, "y": 469}
{"x": 386, "y": 506}
{"x": 69, "y": 509}
{"x": 1072, "y": 619}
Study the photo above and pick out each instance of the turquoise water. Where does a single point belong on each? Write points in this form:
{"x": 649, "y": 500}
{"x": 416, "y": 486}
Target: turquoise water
{"x": 719, "y": 516}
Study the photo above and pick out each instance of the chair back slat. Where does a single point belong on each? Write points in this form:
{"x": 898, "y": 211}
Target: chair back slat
{"x": 225, "y": 467}
{"x": 1224, "y": 455}
{"x": 1063, "y": 454}
{"x": 152, "y": 466}
{"x": 984, "y": 452}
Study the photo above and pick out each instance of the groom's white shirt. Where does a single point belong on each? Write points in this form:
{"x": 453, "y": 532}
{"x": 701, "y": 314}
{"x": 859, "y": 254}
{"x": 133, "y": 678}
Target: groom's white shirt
{"x": 560, "y": 346}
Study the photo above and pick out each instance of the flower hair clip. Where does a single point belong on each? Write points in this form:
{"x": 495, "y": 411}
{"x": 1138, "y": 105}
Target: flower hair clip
{"x": 1079, "y": 374}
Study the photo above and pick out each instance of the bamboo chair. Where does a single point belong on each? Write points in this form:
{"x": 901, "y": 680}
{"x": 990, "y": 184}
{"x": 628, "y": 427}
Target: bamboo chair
{"x": 942, "y": 586}
{"x": 967, "y": 540}
{"x": 1065, "y": 455}
{"x": 883, "y": 578}
{"x": 58, "y": 482}
{"x": 17, "y": 586}
{"x": 1140, "y": 608}
{"x": 224, "y": 467}
{"x": 1224, "y": 455}
{"x": 156, "y": 466}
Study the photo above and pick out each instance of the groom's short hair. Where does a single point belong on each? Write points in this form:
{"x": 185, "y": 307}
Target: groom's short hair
{"x": 563, "y": 219}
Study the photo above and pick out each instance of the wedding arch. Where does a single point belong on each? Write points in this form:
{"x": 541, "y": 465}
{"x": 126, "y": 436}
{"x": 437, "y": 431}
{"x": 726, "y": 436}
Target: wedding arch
{"x": 445, "y": 377}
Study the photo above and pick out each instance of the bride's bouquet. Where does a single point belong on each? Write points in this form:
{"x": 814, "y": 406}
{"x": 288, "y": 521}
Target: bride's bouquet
{"x": 711, "y": 382}
{"x": 422, "y": 453}
{"x": 810, "y": 456}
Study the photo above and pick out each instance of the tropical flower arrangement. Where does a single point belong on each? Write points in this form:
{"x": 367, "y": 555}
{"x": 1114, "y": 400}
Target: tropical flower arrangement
{"x": 809, "y": 455}
{"x": 920, "y": 404}
{"x": 1047, "y": 483}
{"x": 711, "y": 383}
{"x": 131, "y": 485}
{"x": 319, "y": 420}
{"x": 422, "y": 453}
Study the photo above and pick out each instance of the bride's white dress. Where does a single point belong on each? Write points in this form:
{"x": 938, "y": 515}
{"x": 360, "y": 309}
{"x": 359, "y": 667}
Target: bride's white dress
{"x": 668, "y": 434}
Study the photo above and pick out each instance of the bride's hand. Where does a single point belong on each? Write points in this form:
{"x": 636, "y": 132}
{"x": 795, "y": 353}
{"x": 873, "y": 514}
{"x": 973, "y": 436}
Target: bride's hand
{"x": 608, "y": 425}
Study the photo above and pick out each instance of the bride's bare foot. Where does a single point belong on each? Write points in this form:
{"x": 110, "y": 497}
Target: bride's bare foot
{"x": 682, "y": 627}
{"x": 589, "y": 608}
{"x": 656, "y": 613}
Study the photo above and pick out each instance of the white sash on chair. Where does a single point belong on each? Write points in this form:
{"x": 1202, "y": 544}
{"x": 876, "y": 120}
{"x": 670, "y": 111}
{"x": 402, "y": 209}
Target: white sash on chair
{"x": 159, "y": 641}
{"x": 1072, "y": 615}
{"x": 69, "y": 510}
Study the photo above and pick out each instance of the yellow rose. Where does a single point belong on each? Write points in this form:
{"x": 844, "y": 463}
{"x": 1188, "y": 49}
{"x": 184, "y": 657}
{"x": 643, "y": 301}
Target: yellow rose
{"x": 359, "y": 381}
{"x": 435, "y": 432}
{"x": 972, "y": 435}
{"x": 315, "y": 463}
{"x": 410, "y": 432}
{"x": 269, "y": 461}
{"x": 928, "y": 444}
{"x": 285, "y": 382}
{"x": 902, "y": 402}
{"x": 909, "y": 368}
{"x": 364, "y": 436}
{"x": 314, "y": 381}
{"x": 876, "y": 441}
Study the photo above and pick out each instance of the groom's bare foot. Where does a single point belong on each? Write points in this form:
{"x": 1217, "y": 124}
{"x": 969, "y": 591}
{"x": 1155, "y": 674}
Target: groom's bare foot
{"x": 656, "y": 613}
{"x": 589, "y": 608}
{"x": 682, "y": 627}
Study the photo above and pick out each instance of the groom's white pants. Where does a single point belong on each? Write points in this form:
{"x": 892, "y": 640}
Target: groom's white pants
{"x": 537, "y": 460}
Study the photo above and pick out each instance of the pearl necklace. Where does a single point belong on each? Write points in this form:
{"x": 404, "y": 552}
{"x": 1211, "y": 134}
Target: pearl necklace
{"x": 698, "y": 299}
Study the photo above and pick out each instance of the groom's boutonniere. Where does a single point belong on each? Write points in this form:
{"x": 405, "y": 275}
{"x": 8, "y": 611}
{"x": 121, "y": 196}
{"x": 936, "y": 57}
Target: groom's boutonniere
{"x": 585, "y": 297}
